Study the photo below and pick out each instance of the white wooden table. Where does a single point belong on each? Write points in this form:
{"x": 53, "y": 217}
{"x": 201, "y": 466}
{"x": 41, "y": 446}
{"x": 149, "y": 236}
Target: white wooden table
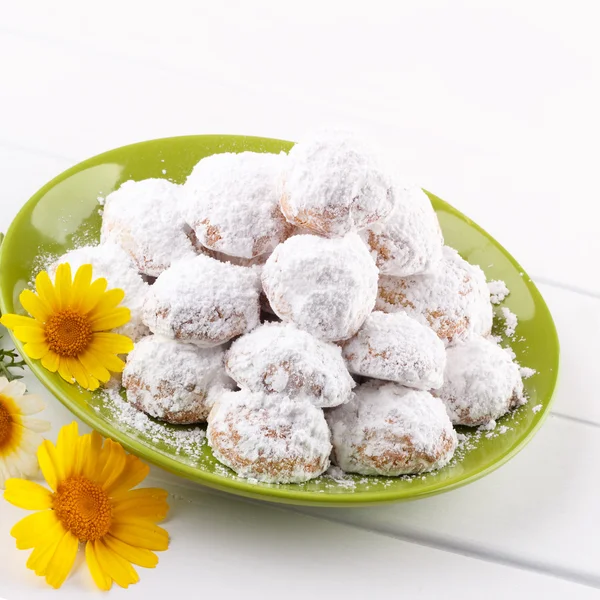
{"x": 491, "y": 105}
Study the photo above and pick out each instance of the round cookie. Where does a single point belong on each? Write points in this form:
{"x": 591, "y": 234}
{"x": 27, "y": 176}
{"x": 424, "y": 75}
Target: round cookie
{"x": 112, "y": 263}
{"x": 481, "y": 383}
{"x": 324, "y": 286}
{"x": 409, "y": 240}
{"x": 334, "y": 185}
{"x": 387, "y": 429}
{"x": 398, "y": 348}
{"x": 144, "y": 218}
{"x": 278, "y": 358}
{"x": 232, "y": 203}
{"x": 454, "y": 300}
{"x": 203, "y": 301}
{"x": 269, "y": 438}
{"x": 173, "y": 381}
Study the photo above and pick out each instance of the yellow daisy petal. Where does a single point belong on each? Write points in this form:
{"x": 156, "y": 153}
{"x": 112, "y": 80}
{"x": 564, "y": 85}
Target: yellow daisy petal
{"x": 11, "y": 321}
{"x": 81, "y": 285}
{"x": 94, "y": 295}
{"x": 34, "y": 333}
{"x": 136, "y": 509}
{"x": 36, "y": 350}
{"x": 134, "y": 472}
{"x": 110, "y": 361}
{"x": 109, "y": 301}
{"x": 90, "y": 466}
{"x": 101, "y": 579}
{"x": 50, "y": 465}
{"x": 45, "y": 289}
{"x": 34, "y": 305}
{"x": 63, "y": 560}
{"x": 93, "y": 366}
{"x": 137, "y": 556}
{"x": 113, "y": 461}
{"x": 141, "y": 535}
{"x": 50, "y": 361}
{"x": 31, "y": 531}
{"x": 111, "y": 342}
{"x": 118, "y": 569}
{"x": 76, "y": 369}
{"x": 64, "y": 371}
{"x": 63, "y": 284}
{"x": 27, "y": 494}
{"x": 111, "y": 320}
{"x": 42, "y": 554}
{"x": 66, "y": 448}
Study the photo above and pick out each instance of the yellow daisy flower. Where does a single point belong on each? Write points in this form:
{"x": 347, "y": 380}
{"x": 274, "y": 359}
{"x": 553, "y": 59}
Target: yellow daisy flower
{"x": 92, "y": 503}
{"x": 19, "y": 432}
{"x": 69, "y": 328}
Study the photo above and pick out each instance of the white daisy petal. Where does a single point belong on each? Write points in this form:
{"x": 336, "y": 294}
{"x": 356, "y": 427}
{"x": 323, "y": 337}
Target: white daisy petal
{"x": 3, "y": 384}
{"x": 15, "y": 389}
{"x": 38, "y": 425}
{"x": 4, "y": 473}
{"x": 31, "y": 404}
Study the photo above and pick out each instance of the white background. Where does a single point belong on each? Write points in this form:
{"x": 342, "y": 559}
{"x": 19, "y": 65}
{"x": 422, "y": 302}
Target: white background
{"x": 491, "y": 105}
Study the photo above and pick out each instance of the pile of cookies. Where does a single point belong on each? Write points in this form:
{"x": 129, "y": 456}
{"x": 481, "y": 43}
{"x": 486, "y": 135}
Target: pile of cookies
{"x": 306, "y": 307}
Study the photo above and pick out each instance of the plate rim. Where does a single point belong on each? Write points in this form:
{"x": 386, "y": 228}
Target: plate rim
{"x": 237, "y": 486}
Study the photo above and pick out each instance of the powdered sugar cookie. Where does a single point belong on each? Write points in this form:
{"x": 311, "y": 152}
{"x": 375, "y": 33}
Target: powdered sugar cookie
{"x": 409, "y": 240}
{"x": 279, "y": 358}
{"x": 232, "y": 203}
{"x": 115, "y": 265}
{"x": 334, "y": 185}
{"x": 387, "y": 429}
{"x": 324, "y": 286}
{"x": 454, "y": 301}
{"x": 173, "y": 381}
{"x": 203, "y": 301}
{"x": 269, "y": 438}
{"x": 397, "y": 348}
{"x": 144, "y": 218}
{"x": 481, "y": 383}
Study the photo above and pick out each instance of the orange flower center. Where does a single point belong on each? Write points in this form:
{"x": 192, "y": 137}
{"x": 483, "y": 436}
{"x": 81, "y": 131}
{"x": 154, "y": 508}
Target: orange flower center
{"x": 68, "y": 333}
{"x": 83, "y": 508}
{"x": 6, "y": 425}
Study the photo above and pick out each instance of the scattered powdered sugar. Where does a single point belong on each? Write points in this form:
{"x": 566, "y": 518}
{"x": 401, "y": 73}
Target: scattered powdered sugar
{"x": 509, "y": 351}
{"x": 278, "y": 358}
{"x": 171, "y": 380}
{"x": 324, "y": 286}
{"x": 232, "y": 203}
{"x": 498, "y": 291}
{"x": 333, "y": 185}
{"x": 537, "y": 408}
{"x": 409, "y": 240}
{"x": 510, "y": 320}
{"x": 489, "y": 426}
{"x": 187, "y": 441}
{"x": 387, "y": 429}
{"x": 144, "y": 218}
{"x": 111, "y": 262}
{"x": 454, "y": 301}
{"x": 398, "y": 348}
{"x": 273, "y": 439}
{"x": 341, "y": 478}
{"x": 527, "y": 372}
{"x": 481, "y": 383}
{"x": 204, "y": 301}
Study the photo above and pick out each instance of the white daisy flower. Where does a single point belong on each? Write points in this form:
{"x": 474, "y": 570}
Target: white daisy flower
{"x": 19, "y": 432}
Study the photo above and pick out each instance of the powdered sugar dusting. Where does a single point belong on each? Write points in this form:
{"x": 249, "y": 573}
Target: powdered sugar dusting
{"x": 498, "y": 291}
{"x": 232, "y": 203}
{"x": 144, "y": 218}
{"x": 398, "y": 348}
{"x": 510, "y": 321}
{"x": 324, "y": 286}
{"x": 409, "y": 240}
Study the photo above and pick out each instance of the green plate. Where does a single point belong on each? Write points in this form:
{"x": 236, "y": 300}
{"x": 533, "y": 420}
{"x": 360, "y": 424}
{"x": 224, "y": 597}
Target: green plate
{"x": 64, "y": 214}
